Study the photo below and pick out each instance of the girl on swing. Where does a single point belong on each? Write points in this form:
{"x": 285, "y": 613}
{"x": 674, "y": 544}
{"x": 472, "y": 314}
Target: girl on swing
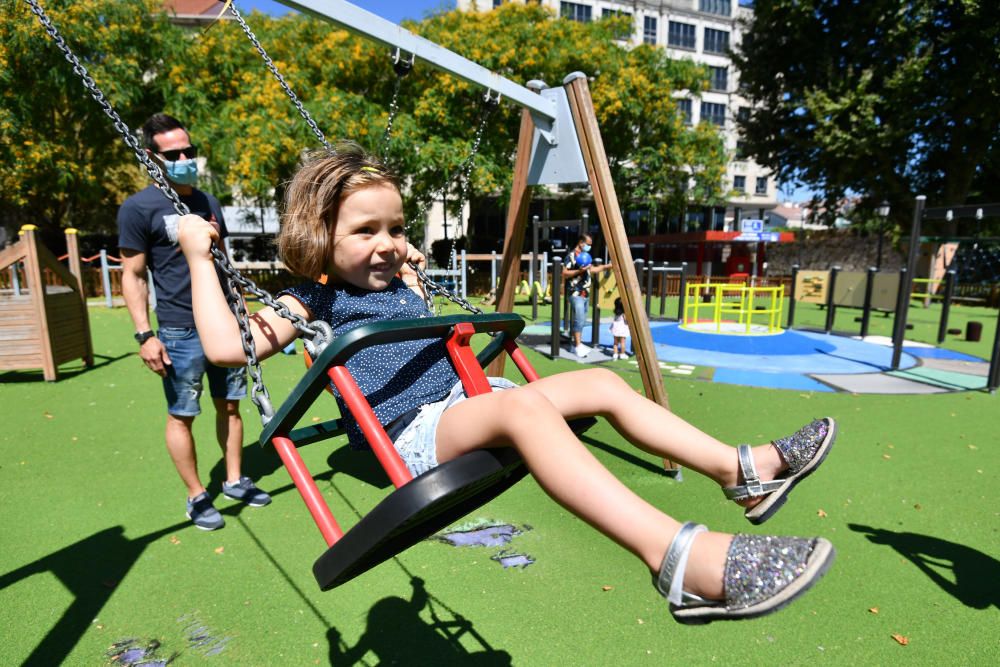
{"x": 344, "y": 218}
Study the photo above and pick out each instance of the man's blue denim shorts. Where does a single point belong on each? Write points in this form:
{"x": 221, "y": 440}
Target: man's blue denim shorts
{"x": 183, "y": 384}
{"x": 417, "y": 444}
{"x": 578, "y": 305}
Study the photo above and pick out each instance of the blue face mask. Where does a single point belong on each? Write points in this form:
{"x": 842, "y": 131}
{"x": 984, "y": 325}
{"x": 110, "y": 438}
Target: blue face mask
{"x": 586, "y": 247}
{"x": 182, "y": 172}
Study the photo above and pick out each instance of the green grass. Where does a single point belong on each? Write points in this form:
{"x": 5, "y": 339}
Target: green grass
{"x": 95, "y": 547}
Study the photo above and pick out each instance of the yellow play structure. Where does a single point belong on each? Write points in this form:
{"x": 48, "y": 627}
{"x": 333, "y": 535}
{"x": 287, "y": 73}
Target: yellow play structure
{"x": 733, "y": 309}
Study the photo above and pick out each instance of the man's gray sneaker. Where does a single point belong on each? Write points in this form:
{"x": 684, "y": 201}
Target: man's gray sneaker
{"x": 203, "y": 514}
{"x": 245, "y": 491}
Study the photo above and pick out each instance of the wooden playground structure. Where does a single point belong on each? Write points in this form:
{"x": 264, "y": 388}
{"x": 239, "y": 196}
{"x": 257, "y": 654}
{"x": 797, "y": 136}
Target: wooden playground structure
{"x": 42, "y": 326}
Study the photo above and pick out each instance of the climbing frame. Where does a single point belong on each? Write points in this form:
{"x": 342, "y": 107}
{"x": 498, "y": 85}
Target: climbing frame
{"x": 42, "y": 325}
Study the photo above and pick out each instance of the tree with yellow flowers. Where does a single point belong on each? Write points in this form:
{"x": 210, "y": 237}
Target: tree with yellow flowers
{"x": 61, "y": 161}
{"x": 64, "y": 164}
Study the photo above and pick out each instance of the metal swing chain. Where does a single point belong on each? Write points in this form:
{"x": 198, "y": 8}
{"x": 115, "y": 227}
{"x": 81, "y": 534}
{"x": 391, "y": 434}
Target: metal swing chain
{"x": 317, "y": 334}
{"x": 402, "y": 68}
{"x": 281, "y": 80}
{"x": 464, "y": 174}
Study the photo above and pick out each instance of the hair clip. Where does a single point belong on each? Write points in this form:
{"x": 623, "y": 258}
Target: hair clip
{"x": 371, "y": 170}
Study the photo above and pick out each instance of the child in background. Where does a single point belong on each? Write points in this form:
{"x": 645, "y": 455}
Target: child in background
{"x": 619, "y": 329}
{"x": 344, "y": 217}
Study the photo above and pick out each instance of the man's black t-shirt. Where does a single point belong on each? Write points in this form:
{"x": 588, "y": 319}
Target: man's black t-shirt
{"x": 146, "y": 223}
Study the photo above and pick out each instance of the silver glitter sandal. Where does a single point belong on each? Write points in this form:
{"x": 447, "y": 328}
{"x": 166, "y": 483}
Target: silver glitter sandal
{"x": 763, "y": 574}
{"x": 803, "y": 451}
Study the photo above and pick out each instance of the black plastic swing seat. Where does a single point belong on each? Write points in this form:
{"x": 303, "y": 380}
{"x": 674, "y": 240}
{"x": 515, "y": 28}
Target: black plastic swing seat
{"x": 422, "y": 507}
{"x": 428, "y": 503}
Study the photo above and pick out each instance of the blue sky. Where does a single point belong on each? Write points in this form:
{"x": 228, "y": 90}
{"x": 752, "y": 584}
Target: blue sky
{"x": 392, "y": 10}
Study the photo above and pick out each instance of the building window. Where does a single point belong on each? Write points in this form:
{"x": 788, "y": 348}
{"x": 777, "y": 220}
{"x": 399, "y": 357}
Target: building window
{"x": 713, "y": 113}
{"x": 574, "y": 11}
{"x": 685, "y": 108}
{"x": 740, "y": 183}
{"x": 741, "y": 150}
{"x": 680, "y": 35}
{"x": 761, "y": 188}
{"x": 497, "y": 3}
{"x": 743, "y": 114}
{"x": 716, "y": 41}
{"x": 718, "y": 78}
{"x": 649, "y": 30}
{"x": 625, "y": 33}
{"x": 720, "y": 7}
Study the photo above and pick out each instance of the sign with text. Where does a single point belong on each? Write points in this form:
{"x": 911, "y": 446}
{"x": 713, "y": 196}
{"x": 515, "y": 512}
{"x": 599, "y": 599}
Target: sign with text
{"x": 753, "y": 225}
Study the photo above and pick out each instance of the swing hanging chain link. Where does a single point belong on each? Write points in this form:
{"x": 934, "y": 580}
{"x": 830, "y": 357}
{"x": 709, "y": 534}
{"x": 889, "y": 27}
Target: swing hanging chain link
{"x": 464, "y": 170}
{"x": 402, "y": 67}
{"x": 281, "y": 80}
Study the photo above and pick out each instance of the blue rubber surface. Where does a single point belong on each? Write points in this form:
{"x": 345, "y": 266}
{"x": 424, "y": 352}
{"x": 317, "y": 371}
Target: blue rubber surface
{"x": 798, "y": 352}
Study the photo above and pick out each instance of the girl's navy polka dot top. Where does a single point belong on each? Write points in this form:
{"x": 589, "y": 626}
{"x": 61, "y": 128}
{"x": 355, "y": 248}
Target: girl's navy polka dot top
{"x": 396, "y": 377}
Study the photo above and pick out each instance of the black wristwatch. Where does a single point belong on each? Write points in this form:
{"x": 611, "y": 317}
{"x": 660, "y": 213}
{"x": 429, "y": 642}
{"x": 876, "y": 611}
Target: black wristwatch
{"x": 142, "y": 336}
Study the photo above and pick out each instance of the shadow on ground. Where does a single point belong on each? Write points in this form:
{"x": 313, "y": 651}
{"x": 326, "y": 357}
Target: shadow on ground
{"x": 975, "y": 582}
{"x": 397, "y": 635}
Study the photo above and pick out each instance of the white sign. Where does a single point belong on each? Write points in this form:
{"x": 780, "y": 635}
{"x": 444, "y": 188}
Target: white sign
{"x": 751, "y": 225}
{"x": 772, "y": 237}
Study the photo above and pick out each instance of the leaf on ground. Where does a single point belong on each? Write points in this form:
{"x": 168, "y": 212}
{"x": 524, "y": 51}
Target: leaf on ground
{"x": 821, "y": 513}
{"x": 973, "y": 447}
{"x": 48, "y": 415}
{"x": 174, "y": 540}
{"x": 886, "y": 457}
{"x": 607, "y": 588}
{"x": 873, "y": 610}
{"x": 900, "y": 639}
{"x": 918, "y": 506}
{"x": 220, "y": 550}
{"x": 315, "y": 419}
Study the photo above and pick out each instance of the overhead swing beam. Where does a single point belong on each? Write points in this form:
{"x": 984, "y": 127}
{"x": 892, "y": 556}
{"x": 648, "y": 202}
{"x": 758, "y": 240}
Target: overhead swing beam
{"x": 388, "y": 33}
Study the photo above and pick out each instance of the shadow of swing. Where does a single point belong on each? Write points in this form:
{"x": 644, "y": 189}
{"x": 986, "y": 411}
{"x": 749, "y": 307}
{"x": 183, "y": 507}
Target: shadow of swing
{"x": 974, "y": 580}
{"x": 396, "y": 634}
{"x": 92, "y": 568}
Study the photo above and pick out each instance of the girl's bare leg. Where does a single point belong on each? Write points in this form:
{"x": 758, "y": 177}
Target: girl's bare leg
{"x": 650, "y": 426}
{"x": 571, "y": 475}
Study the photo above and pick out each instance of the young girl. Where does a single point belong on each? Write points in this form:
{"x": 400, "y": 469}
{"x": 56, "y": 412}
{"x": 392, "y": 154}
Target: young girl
{"x": 619, "y": 329}
{"x": 344, "y": 218}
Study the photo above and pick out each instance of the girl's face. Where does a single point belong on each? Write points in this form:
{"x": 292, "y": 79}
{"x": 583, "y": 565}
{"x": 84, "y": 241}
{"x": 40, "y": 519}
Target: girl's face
{"x": 369, "y": 245}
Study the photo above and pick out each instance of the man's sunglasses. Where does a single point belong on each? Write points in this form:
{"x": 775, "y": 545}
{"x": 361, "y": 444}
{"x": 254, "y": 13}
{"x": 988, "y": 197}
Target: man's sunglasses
{"x": 190, "y": 153}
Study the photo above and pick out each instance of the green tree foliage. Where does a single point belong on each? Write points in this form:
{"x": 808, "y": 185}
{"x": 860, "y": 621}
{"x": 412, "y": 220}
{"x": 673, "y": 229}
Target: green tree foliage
{"x": 885, "y": 98}
{"x": 213, "y": 79}
{"x": 61, "y": 161}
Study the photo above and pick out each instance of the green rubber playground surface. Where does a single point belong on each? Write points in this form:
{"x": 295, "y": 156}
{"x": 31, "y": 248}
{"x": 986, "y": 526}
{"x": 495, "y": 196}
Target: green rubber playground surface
{"x": 99, "y": 566}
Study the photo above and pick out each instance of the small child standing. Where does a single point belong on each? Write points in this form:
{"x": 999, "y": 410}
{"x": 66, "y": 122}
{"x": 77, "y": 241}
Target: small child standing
{"x": 619, "y": 329}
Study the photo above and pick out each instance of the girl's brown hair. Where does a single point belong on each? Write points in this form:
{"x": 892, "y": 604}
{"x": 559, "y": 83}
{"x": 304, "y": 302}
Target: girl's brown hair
{"x": 312, "y": 200}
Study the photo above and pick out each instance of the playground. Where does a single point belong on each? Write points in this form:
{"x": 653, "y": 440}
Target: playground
{"x": 97, "y": 554}
{"x": 468, "y": 563}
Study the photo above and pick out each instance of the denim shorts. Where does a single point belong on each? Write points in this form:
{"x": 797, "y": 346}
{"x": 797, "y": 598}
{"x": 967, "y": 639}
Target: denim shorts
{"x": 578, "y": 304}
{"x": 183, "y": 384}
{"x": 417, "y": 444}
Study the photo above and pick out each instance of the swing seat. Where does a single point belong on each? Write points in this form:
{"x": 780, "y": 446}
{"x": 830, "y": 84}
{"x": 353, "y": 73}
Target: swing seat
{"x": 421, "y": 506}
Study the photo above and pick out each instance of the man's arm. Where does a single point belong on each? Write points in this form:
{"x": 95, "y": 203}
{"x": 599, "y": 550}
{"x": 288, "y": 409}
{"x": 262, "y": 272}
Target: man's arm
{"x": 135, "y": 290}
